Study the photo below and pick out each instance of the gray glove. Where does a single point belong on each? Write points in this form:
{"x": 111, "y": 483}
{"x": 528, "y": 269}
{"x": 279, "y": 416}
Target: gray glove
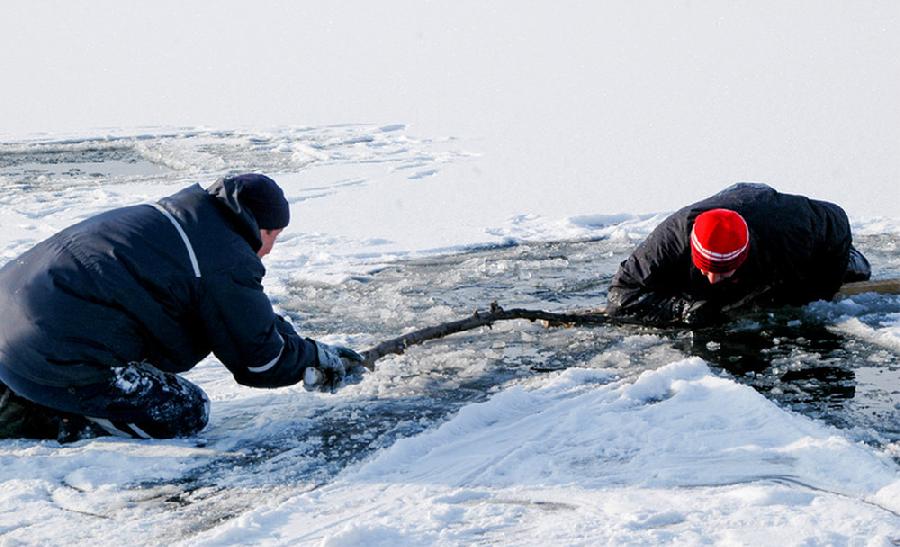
{"x": 330, "y": 371}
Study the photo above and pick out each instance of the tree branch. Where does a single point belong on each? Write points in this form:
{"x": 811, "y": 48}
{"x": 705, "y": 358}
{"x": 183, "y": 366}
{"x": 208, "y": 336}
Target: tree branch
{"x": 479, "y": 319}
{"x": 882, "y": 286}
{"x": 589, "y": 317}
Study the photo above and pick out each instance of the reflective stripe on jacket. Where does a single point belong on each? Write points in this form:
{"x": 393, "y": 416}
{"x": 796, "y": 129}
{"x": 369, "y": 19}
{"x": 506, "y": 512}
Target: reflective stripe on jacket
{"x": 166, "y": 283}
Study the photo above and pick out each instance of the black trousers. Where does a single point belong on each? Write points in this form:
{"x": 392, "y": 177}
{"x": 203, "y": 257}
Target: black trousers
{"x": 137, "y": 400}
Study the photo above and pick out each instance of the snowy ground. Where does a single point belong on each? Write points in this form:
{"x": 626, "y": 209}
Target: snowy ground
{"x": 779, "y": 428}
{"x": 442, "y": 155}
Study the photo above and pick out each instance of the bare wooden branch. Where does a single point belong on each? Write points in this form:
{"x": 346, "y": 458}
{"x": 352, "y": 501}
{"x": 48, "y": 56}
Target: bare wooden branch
{"x": 589, "y": 317}
{"x": 883, "y": 286}
{"x": 478, "y": 319}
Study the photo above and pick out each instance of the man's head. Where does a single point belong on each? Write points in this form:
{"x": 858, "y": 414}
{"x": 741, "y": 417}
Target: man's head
{"x": 720, "y": 241}
{"x": 264, "y": 198}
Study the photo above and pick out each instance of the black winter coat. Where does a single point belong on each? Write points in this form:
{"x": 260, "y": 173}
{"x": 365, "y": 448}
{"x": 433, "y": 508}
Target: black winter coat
{"x": 799, "y": 249}
{"x": 165, "y": 283}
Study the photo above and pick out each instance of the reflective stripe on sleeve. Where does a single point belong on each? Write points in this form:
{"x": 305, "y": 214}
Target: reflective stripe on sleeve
{"x": 270, "y": 364}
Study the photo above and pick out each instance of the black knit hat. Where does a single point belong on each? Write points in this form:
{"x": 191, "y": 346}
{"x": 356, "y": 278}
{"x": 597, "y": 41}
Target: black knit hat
{"x": 264, "y": 198}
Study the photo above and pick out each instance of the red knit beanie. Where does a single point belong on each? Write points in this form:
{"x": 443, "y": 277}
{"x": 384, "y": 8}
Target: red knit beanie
{"x": 719, "y": 241}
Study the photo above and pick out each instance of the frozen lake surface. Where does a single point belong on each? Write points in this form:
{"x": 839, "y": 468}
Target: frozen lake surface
{"x": 788, "y": 420}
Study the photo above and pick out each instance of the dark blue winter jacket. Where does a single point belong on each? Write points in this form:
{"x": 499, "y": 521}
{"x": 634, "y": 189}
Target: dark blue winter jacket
{"x": 165, "y": 283}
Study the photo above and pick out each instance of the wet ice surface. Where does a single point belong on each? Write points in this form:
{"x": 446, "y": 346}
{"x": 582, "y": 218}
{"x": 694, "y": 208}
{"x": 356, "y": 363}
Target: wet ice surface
{"x": 414, "y": 392}
{"x": 792, "y": 356}
{"x": 834, "y": 362}
{"x": 797, "y": 357}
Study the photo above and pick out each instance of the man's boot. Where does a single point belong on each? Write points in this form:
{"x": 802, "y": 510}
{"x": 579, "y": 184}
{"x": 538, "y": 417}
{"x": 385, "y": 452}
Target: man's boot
{"x": 22, "y": 419}
{"x": 858, "y": 268}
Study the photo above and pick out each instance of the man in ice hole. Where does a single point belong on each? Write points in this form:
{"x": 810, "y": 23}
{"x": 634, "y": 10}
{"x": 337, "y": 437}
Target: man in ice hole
{"x": 747, "y": 246}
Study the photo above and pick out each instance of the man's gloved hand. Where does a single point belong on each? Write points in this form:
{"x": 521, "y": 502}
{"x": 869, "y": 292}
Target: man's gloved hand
{"x": 331, "y": 369}
{"x": 702, "y": 313}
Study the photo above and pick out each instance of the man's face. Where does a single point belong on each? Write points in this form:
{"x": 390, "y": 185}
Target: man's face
{"x": 268, "y": 238}
{"x": 716, "y": 277}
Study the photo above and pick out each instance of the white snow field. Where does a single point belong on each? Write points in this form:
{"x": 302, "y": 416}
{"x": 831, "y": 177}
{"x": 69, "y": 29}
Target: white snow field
{"x": 439, "y": 156}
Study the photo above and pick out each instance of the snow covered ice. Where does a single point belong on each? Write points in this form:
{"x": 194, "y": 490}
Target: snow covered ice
{"x": 782, "y": 425}
{"x": 442, "y": 156}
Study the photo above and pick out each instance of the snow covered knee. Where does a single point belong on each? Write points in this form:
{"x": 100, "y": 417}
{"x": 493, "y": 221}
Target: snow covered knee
{"x": 144, "y": 402}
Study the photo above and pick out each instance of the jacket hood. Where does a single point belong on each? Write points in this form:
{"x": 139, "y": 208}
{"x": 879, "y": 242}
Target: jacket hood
{"x": 226, "y": 192}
